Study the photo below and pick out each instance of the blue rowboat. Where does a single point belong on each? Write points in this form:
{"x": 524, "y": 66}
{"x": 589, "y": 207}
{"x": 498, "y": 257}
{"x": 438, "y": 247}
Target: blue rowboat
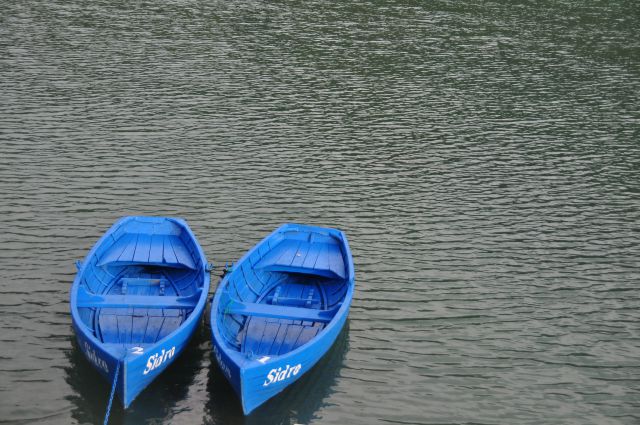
{"x": 137, "y": 299}
{"x": 280, "y": 309}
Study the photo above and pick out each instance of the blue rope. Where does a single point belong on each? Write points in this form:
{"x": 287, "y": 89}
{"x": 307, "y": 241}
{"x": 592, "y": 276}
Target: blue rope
{"x": 113, "y": 392}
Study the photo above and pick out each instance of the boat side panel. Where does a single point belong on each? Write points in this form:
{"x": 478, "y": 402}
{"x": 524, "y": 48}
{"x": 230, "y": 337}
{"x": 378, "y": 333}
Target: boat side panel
{"x": 260, "y": 383}
{"x": 229, "y": 367}
{"x": 102, "y": 360}
{"x": 143, "y": 366}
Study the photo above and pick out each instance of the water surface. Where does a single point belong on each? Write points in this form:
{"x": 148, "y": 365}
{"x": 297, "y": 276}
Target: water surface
{"x": 483, "y": 159}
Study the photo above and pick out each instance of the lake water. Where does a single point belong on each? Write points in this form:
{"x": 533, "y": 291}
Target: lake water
{"x": 482, "y": 157}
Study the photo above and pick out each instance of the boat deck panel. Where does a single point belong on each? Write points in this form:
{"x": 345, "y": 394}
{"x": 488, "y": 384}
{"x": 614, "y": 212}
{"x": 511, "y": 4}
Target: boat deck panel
{"x": 298, "y": 256}
{"x": 134, "y": 325}
{"x": 278, "y": 327}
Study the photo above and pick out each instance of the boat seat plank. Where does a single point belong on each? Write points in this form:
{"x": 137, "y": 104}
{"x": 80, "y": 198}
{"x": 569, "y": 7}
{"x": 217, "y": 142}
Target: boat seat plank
{"x": 117, "y": 249}
{"x": 142, "y": 248}
{"x": 120, "y": 263}
{"x": 149, "y": 250}
{"x": 182, "y": 253}
{"x": 142, "y": 281}
{"x": 289, "y": 249}
{"x": 86, "y": 299}
{"x": 313, "y": 258}
{"x": 155, "y": 249}
{"x": 276, "y": 255}
{"x": 288, "y": 301}
{"x": 323, "y": 258}
{"x": 129, "y": 250}
{"x": 167, "y": 251}
{"x": 336, "y": 262}
{"x": 280, "y": 312}
{"x": 301, "y": 254}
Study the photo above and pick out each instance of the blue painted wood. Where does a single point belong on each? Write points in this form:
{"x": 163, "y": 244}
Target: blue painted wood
{"x": 160, "y": 250}
{"x": 156, "y": 248}
{"x": 137, "y": 303}
{"x": 143, "y": 247}
{"x": 128, "y": 251}
{"x": 296, "y": 256}
{"x": 142, "y": 281}
{"x": 182, "y": 253}
{"x": 168, "y": 255}
{"x": 280, "y": 309}
{"x": 87, "y": 300}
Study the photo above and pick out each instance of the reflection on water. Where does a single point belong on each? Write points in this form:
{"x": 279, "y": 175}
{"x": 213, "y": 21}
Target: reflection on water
{"x": 156, "y": 403}
{"x": 91, "y": 390}
{"x": 160, "y": 401}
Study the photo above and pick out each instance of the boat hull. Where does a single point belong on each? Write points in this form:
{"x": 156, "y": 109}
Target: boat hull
{"x": 143, "y": 360}
{"x": 257, "y": 378}
{"x": 260, "y": 383}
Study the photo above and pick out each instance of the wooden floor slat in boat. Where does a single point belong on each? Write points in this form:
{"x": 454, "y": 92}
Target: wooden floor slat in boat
{"x": 268, "y": 336}
{"x": 139, "y": 325}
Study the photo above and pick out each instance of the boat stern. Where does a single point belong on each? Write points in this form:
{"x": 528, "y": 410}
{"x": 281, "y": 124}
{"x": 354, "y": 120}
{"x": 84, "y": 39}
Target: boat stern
{"x": 264, "y": 381}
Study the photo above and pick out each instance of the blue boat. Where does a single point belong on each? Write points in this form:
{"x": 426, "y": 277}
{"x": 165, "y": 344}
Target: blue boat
{"x": 280, "y": 309}
{"x": 137, "y": 298}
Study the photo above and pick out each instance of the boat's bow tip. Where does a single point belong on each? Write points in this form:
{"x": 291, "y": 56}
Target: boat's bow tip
{"x": 246, "y": 410}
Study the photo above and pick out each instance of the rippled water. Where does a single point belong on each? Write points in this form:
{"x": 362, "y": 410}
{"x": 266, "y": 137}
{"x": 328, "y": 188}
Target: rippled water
{"x": 483, "y": 158}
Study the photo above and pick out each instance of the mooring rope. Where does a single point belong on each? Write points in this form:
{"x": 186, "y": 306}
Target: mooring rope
{"x": 113, "y": 392}
{"x": 228, "y": 268}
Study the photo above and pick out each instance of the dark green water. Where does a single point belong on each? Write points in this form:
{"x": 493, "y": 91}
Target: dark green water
{"x": 483, "y": 158}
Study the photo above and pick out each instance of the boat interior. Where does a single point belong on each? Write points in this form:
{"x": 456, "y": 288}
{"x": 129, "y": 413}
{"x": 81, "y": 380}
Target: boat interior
{"x": 141, "y": 283}
{"x": 284, "y": 294}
